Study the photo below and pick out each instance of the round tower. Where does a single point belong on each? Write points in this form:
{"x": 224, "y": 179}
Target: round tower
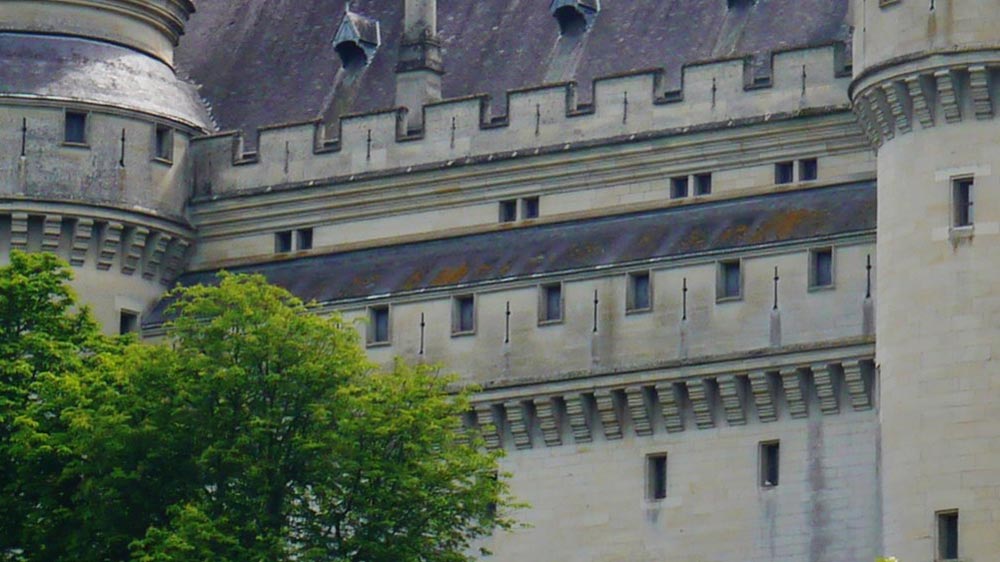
{"x": 926, "y": 90}
{"x": 95, "y": 129}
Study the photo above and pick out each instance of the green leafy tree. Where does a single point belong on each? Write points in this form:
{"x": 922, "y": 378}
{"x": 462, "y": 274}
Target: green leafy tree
{"x": 257, "y": 431}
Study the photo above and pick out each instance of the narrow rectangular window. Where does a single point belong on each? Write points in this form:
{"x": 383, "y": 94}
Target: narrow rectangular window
{"x": 378, "y": 327}
{"x": 679, "y": 187}
{"x": 784, "y": 172}
{"x": 947, "y": 535}
{"x": 962, "y": 201}
{"x": 164, "y": 142}
{"x": 508, "y": 211}
{"x": 821, "y": 268}
{"x": 529, "y": 208}
{"x": 283, "y": 241}
{"x": 551, "y": 303}
{"x": 128, "y": 322}
{"x": 305, "y": 239}
{"x": 76, "y": 128}
{"x": 770, "y": 457}
{"x": 703, "y": 184}
{"x": 808, "y": 169}
{"x": 656, "y": 476}
{"x": 464, "y": 315}
{"x": 730, "y": 280}
{"x": 639, "y": 292}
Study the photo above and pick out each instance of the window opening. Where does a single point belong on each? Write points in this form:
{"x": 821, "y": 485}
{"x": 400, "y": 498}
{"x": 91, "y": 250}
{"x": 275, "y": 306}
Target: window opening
{"x": 164, "y": 142}
{"x": 128, "y": 322}
{"x": 76, "y": 128}
{"x": 703, "y": 184}
{"x": 379, "y": 325}
{"x": 508, "y": 211}
{"x": 679, "y": 187}
{"x": 305, "y": 239}
{"x": 464, "y": 321}
{"x": 822, "y": 268}
{"x": 784, "y": 172}
{"x": 639, "y": 297}
{"x": 947, "y": 531}
{"x": 808, "y": 169}
{"x": 962, "y": 201}
{"x": 551, "y": 303}
{"x": 529, "y": 208}
{"x": 770, "y": 457}
{"x": 656, "y": 476}
{"x": 283, "y": 241}
{"x": 729, "y": 279}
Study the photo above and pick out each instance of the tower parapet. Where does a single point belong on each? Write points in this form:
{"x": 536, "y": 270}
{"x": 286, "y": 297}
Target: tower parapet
{"x": 926, "y": 89}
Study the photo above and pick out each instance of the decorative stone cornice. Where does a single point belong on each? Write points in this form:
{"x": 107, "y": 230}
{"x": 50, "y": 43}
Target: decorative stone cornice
{"x": 111, "y": 245}
{"x": 646, "y": 407}
{"x": 925, "y": 98}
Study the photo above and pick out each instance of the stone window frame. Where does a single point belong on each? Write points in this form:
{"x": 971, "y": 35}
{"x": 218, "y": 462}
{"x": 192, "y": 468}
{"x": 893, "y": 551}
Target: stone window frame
{"x": 812, "y": 283}
{"x": 720, "y": 280}
{"x": 543, "y": 299}
{"x": 653, "y": 476}
{"x": 86, "y": 128}
{"x": 457, "y": 329}
{"x": 166, "y": 156}
{"x": 371, "y": 339}
{"x": 630, "y": 292}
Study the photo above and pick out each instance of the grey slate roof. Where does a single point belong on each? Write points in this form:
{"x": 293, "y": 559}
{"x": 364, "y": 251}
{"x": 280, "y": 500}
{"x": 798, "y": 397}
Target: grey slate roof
{"x": 558, "y": 248}
{"x": 75, "y": 69}
{"x": 262, "y": 62}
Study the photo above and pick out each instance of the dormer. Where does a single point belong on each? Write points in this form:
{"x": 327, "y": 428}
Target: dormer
{"x": 575, "y": 17}
{"x": 357, "y": 40}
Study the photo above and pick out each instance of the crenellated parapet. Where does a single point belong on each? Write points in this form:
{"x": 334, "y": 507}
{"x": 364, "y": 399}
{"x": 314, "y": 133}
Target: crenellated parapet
{"x": 546, "y": 119}
{"x": 925, "y": 94}
{"x": 759, "y": 390}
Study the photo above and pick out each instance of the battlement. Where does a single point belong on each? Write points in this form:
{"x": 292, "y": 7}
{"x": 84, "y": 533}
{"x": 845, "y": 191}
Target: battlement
{"x": 549, "y": 118}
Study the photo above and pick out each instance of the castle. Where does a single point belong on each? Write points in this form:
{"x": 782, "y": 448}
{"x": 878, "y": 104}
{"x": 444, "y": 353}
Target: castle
{"x": 725, "y": 270}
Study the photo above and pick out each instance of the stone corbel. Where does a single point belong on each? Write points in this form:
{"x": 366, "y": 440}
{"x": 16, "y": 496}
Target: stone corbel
{"x": 111, "y": 240}
{"x": 488, "y": 426}
{"x": 792, "y": 383}
{"x": 763, "y": 398}
{"x": 979, "y": 85}
{"x": 732, "y": 404}
{"x": 700, "y": 403}
{"x": 578, "y": 422}
{"x": 83, "y": 232}
{"x": 634, "y": 397}
{"x": 518, "y": 425}
{"x": 51, "y": 233}
{"x": 548, "y": 422}
{"x": 918, "y": 98}
{"x": 136, "y": 247}
{"x": 608, "y": 414}
{"x": 19, "y": 232}
{"x": 948, "y": 96}
{"x": 856, "y": 387}
{"x": 824, "y": 381}
{"x": 670, "y": 406}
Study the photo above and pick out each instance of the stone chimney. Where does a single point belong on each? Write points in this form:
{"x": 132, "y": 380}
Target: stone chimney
{"x": 418, "y": 74}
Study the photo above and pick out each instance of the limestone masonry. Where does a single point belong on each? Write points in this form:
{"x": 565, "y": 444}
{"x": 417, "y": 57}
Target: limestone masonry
{"x": 726, "y": 271}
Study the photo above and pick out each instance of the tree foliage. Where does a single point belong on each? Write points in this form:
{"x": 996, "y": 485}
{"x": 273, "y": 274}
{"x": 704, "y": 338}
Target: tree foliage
{"x": 257, "y": 431}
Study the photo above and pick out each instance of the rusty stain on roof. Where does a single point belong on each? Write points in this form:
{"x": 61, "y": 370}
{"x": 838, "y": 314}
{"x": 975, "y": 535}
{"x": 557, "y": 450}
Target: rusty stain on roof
{"x": 668, "y": 233}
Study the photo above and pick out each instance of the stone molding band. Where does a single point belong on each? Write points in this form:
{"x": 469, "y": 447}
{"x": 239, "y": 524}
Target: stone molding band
{"x": 762, "y": 395}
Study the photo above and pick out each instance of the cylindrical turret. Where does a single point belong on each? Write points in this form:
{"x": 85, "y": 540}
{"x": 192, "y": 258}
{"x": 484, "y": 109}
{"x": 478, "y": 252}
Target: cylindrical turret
{"x": 94, "y": 130}
{"x": 926, "y": 90}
